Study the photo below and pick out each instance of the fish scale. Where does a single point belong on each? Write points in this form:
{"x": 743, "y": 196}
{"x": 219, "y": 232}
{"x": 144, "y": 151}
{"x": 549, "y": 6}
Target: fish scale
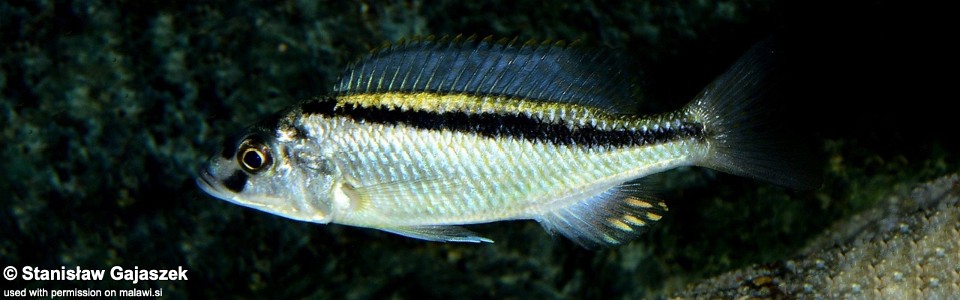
{"x": 421, "y": 137}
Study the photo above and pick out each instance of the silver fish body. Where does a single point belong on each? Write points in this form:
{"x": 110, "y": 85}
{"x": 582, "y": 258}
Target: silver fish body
{"x": 424, "y": 136}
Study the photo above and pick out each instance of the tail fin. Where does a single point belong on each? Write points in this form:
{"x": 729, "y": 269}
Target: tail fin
{"x": 743, "y": 137}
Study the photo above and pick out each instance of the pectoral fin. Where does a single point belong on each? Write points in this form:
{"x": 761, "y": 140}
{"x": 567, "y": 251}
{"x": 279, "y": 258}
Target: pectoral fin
{"x": 366, "y": 188}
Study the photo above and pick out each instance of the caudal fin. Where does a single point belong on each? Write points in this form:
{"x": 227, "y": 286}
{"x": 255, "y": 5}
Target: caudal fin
{"x": 744, "y": 136}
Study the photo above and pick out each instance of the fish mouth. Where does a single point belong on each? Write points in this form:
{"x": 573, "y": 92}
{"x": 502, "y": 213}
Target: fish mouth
{"x": 208, "y": 184}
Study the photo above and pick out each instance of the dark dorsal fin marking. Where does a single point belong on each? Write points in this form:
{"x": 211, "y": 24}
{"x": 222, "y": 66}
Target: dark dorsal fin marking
{"x": 542, "y": 71}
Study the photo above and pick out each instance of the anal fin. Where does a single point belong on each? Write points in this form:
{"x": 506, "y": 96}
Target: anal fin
{"x": 439, "y": 233}
{"x": 609, "y": 218}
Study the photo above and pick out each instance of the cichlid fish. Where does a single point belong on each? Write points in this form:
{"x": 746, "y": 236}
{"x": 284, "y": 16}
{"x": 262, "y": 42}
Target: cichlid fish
{"x": 422, "y": 136}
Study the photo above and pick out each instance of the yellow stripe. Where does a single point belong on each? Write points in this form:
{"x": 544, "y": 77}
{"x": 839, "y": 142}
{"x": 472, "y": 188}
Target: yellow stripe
{"x": 616, "y": 223}
{"x": 638, "y": 203}
{"x": 633, "y": 220}
{"x": 653, "y": 216}
{"x": 431, "y": 102}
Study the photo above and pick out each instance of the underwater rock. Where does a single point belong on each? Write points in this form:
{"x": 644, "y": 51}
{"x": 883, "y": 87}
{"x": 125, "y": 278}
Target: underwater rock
{"x": 907, "y": 247}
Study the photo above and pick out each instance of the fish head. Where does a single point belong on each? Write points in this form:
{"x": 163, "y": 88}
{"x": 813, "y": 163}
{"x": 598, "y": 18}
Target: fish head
{"x": 263, "y": 170}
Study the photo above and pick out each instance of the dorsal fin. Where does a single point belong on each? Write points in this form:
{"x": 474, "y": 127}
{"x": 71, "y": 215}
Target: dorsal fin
{"x": 547, "y": 71}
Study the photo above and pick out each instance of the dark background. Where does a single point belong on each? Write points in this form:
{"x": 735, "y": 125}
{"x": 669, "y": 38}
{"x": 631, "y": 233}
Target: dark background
{"x": 109, "y": 107}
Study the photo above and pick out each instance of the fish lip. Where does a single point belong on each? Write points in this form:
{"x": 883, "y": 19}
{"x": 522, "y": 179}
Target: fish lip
{"x": 206, "y": 182}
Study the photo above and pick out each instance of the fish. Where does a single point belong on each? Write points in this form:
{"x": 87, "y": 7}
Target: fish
{"x": 421, "y": 137}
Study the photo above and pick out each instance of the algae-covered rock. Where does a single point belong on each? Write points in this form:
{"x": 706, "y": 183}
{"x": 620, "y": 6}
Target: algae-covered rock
{"x": 907, "y": 247}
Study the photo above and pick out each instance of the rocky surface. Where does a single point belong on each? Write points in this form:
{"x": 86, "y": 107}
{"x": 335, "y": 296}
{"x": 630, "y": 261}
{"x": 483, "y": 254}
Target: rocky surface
{"x": 907, "y": 247}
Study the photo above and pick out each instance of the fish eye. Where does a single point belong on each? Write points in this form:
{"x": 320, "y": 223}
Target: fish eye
{"x": 252, "y": 159}
{"x": 253, "y": 156}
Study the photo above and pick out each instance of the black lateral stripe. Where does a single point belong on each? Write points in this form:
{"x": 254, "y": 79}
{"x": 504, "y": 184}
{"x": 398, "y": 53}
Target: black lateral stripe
{"x": 500, "y": 125}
